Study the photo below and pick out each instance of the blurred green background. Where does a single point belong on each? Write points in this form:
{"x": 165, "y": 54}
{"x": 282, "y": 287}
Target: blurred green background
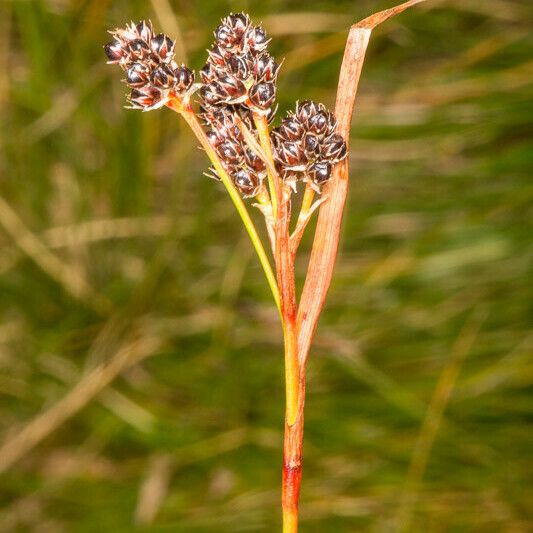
{"x": 141, "y": 359}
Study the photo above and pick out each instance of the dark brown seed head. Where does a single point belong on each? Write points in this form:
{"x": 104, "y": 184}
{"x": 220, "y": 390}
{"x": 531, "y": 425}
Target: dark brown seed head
{"x": 213, "y": 137}
{"x": 265, "y": 68}
{"x": 232, "y": 87}
{"x": 163, "y": 77}
{"x": 256, "y": 39}
{"x": 226, "y": 38}
{"x": 263, "y": 95}
{"x": 138, "y": 49}
{"x": 217, "y": 56}
{"x": 311, "y": 145}
{"x": 319, "y": 122}
{"x": 319, "y": 171}
{"x": 145, "y": 98}
{"x": 144, "y": 31}
{"x": 138, "y": 75}
{"x": 254, "y": 161}
{"x": 291, "y": 128}
{"x": 114, "y": 51}
{"x": 239, "y": 67}
{"x": 184, "y": 78}
{"x": 290, "y": 154}
{"x": 230, "y": 152}
{"x": 163, "y": 46}
{"x": 238, "y": 22}
{"x": 246, "y": 181}
{"x": 212, "y": 94}
{"x": 208, "y": 73}
{"x": 334, "y": 148}
{"x": 305, "y": 110}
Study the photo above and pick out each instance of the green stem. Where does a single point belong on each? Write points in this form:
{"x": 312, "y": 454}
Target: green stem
{"x": 261, "y": 125}
{"x": 187, "y": 113}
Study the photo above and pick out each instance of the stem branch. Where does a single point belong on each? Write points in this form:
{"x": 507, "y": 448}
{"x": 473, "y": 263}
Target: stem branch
{"x": 274, "y": 184}
{"x": 185, "y": 110}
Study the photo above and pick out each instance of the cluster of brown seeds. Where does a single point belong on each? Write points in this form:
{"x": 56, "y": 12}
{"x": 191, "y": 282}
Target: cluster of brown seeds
{"x": 238, "y": 80}
{"x": 239, "y": 70}
{"x": 243, "y": 165}
{"x": 148, "y": 60}
{"x": 306, "y": 145}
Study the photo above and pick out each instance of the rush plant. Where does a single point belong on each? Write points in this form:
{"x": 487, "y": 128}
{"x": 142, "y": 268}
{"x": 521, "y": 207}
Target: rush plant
{"x": 234, "y": 108}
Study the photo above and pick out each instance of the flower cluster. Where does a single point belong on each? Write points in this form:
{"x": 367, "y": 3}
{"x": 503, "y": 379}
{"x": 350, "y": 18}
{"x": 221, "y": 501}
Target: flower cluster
{"x": 148, "y": 60}
{"x": 239, "y": 70}
{"x": 306, "y": 146}
{"x": 244, "y": 166}
{"x": 238, "y": 81}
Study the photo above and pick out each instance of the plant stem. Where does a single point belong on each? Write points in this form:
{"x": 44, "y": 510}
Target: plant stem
{"x": 185, "y": 110}
{"x": 274, "y": 185}
{"x": 307, "y": 201}
{"x": 292, "y": 463}
{"x": 306, "y": 210}
{"x": 294, "y": 380}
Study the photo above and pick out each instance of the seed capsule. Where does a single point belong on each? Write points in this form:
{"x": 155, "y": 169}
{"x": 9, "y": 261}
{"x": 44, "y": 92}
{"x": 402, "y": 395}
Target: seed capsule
{"x": 114, "y": 51}
{"x": 238, "y": 22}
{"x": 319, "y": 171}
{"x": 238, "y": 66}
{"x": 145, "y": 98}
{"x": 311, "y": 144}
{"x": 144, "y": 30}
{"x": 213, "y": 137}
{"x": 138, "y": 49}
{"x": 334, "y": 148}
{"x": 257, "y": 39}
{"x": 207, "y": 73}
{"x": 266, "y": 69}
{"x": 319, "y": 122}
{"x": 212, "y": 94}
{"x": 226, "y": 37}
{"x": 291, "y": 128}
{"x": 232, "y": 87}
{"x": 290, "y": 154}
{"x": 230, "y": 152}
{"x": 263, "y": 95}
{"x": 163, "y": 77}
{"x": 163, "y": 46}
{"x": 305, "y": 110}
{"x": 247, "y": 182}
{"x": 183, "y": 78}
{"x": 217, "y": 56}
{"x": 254, "y": 161}
{"x": 138, "y": 75}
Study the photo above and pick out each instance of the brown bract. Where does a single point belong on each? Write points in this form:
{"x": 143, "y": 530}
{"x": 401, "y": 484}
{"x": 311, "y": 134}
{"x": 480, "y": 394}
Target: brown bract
{"x": 326, "y": 241}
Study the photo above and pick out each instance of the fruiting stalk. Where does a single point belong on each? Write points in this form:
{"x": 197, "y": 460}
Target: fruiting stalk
{"x": 274, "y": 185}
{"x": 185, "y": 110}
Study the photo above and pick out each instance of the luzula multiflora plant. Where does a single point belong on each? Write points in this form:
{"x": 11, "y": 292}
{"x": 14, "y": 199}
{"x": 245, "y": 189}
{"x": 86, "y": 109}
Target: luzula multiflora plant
{"x": 235, "y": 95}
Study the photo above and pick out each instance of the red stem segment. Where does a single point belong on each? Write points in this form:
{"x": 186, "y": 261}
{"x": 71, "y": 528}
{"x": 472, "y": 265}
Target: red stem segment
{"x": 292, "y": 449}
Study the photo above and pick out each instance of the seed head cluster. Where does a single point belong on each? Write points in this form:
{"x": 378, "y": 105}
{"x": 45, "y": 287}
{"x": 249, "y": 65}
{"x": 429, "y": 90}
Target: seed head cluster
{"x": 306, "y": 146}
{"x": 239, "y": 70}
{"x": 237, "y": 81}
{"x": 242, "y": 164}
{"x": 148, "y": 60}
